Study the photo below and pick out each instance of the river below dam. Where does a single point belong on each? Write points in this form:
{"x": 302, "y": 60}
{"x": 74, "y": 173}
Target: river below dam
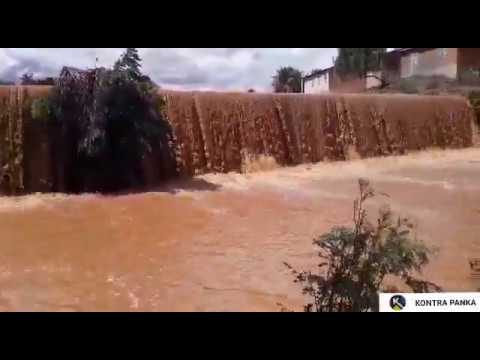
{"x": 217, "y": 242}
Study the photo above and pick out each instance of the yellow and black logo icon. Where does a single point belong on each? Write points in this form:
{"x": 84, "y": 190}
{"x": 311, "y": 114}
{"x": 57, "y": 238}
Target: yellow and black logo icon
{"x": 398, "y": 302}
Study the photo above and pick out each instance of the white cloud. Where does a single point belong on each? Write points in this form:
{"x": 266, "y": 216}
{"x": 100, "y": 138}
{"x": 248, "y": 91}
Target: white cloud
{"x": 176, "y": 68}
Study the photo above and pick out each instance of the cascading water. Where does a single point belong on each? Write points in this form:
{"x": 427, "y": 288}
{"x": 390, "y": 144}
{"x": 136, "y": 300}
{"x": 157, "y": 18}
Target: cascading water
{"x": 213, "y": 130}
{"x": 219, "y": 132}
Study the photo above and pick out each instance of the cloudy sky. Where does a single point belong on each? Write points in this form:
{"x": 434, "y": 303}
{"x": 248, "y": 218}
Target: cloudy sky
{"x": 176, "y": 68}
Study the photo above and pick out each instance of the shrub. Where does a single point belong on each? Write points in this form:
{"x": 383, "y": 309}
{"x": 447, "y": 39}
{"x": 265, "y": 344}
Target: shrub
{"x": 40, "y": 109}
{"x": 112, "y": 120}
{"x": 408, "y": 86}
{"x": 355, "y": 261}
{"x": 433, "y": 84}
{"x": 470, "y": 77}
{"x": 474, "y": 99}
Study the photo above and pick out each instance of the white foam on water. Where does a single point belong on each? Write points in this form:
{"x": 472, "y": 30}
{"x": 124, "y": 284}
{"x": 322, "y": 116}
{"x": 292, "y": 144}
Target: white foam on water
{"x": 376, "y": 168}
{"x": 28, "y": 202}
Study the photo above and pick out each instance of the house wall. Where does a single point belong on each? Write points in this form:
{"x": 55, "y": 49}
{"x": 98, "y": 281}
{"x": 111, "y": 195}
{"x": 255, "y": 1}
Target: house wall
{"x": 317, "y": 85}
{"x": 348, "y": 84}
{"x": 330, "y": 81}
{"x": 372, "y": 80}
{"x": 438, "y": 61}
{"x": 468, "y": 58}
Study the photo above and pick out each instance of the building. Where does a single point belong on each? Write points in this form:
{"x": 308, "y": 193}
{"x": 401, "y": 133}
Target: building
{"x": 398, "y": 64}
{"x": 327, "y": 80}
{"x": 87, "y": 77}
{"x": 448, "y": 62}
{"x": 70, "y": 75}
{"x": 317, "y": 82}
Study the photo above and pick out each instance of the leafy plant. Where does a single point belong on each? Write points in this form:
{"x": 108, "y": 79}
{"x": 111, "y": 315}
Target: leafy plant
{"x": 408, "y": 86}
{"x": 40, "y": 109}
{"x": 433, "y": 83}
{"x": 470, "y": 76}
{"x": 474, "y": 99}
{"x": 130, "y": 64}
{"x": 27, "y": 79}
{"x": 113, "y": 118}
{"x": 287, "y": 80}
{"x": 359, "y": 61}
{"x": 355, "y": 261}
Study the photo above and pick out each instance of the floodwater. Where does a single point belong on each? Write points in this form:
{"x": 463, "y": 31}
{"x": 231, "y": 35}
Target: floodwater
{"x": 218, "y": 242}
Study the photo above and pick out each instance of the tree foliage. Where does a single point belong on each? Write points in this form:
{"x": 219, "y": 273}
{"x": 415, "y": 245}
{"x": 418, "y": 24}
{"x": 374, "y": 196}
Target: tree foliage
{"x": 26, "y": 79}
{"x": 474, "y": 99}
{"x": 29, "y": 79}
{"x": 113, "y": 116}
{"x": 287, "y": 80}
{"x": 130, "y": 64}
{"x": 355, "y": 261}
{"x": 358, "y": 61}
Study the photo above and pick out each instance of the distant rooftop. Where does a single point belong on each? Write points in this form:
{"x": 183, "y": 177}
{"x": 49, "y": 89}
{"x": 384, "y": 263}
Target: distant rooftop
{"x": 316, "y": 73}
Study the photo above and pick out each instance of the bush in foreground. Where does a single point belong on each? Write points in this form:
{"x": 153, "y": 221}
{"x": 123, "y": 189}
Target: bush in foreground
{"x": 355, "y": 261}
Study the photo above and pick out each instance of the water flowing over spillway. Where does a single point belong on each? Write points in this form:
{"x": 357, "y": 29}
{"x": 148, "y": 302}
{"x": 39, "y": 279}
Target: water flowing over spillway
{"x": 220, "y": 132}
{"x": 214, "y": 131}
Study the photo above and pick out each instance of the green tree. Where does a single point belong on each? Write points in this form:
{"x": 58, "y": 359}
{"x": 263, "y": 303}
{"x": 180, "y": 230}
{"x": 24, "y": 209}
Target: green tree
{"x": 27, "y": 79}
{"x": 355, "y": 261}
{"x": 112, "y": 118}
{"x": 360, "y": 61}
{"x": 287, "y": 80}
{"x": 130, "y": 62}
{"x": 474, "y": 99}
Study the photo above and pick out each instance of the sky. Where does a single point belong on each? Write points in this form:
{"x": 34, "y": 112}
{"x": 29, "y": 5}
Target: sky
{"x": 230, "y": 69}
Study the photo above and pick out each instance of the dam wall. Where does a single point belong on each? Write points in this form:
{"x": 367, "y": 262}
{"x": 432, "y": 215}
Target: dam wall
{"x": 218, "y": 132}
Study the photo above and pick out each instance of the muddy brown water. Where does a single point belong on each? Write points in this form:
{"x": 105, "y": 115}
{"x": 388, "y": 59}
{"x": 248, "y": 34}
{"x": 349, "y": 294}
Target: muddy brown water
{"x": 219, "y": 132}
{"x": 217, "y": 243}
